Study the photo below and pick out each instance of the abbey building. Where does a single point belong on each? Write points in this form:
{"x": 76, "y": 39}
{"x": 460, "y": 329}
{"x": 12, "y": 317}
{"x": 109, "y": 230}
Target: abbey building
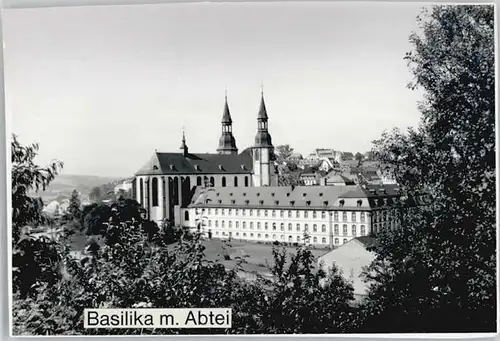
{"x": 167, "y": 182}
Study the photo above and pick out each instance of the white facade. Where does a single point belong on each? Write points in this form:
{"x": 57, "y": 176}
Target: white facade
{"x": 325, "y": 228}
{"x": 156, "y": 201}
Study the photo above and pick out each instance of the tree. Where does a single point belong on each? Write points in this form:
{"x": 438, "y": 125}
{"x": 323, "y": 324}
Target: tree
{"x": 438, "y": 273}
{"x": 283, "y": 152}
{"x": 289, "y": 178}
{"x": 304, "y": 300}
{"x": 95, "y": 194}
{"x": 74, "y": 208}
{"x": 28, "y": 177}
{"x": 346, "y": 156}
{"x": 359, "y": 157}
{"x": 34, "y": 259}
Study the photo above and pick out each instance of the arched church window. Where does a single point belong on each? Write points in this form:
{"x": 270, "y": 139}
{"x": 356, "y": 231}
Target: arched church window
{"x": 198, "y": 181}
{"x": 235, "y": 181}
{"x": 246, "y": 181}
{"x": 141, "y": 191}
{"x": 155, "y": 191}
{"x": 212, "y": 181}
{"x": 223, "y": 181}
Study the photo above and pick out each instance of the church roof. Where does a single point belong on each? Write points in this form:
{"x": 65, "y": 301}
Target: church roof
{"x": 280, "y": 197}
{"x": 177, "y": 164}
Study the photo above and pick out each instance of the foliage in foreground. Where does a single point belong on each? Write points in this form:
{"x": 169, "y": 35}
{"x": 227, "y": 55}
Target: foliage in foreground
{"x": 438, "y": 273}
{"x": 132, "y": 273}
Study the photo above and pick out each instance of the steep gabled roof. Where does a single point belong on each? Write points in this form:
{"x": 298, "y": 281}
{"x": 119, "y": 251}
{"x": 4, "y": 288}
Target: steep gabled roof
{"x": 177, "y": 164}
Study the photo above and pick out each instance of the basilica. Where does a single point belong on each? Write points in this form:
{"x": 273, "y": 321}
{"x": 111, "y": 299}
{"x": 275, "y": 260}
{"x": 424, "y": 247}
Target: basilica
{"x": 167, "y": 182}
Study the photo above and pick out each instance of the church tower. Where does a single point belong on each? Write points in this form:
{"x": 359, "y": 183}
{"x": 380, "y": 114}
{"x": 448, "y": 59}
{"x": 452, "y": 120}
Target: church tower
{"x": 184, "y": 146}
{"x": 227, "y": 143}
{"x": 263, "y": 150}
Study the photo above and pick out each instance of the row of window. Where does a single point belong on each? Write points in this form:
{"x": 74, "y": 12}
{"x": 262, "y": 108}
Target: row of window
{"x": 336, "y": 231}
{"x": 265, "y": 213}
{"x": 200, "y": 181}
{"x": 298, "y": 239}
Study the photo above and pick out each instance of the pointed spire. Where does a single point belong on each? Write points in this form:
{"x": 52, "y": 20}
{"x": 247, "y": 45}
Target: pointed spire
{"x": 184, "y": 146}
{"x": 226, "y": 116}
{"x": 262, "y": 109}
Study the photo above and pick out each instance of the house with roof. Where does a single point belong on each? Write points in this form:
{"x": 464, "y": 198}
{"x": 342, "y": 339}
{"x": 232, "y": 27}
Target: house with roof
{"x": 351, "y": 258}
{"x": 317, "y": 215}
{"x": 166, "y": 183}
{"x": 335, "y": 178}
{"x": 312, "y": 175}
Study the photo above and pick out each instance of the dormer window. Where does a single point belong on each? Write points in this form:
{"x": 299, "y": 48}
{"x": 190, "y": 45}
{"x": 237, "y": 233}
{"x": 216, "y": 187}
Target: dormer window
{"x": 288, "y": 194}
{"x": 261, "y": 202}
{"x": 304, "y": 194}
{"x": 220, "y": 167}
{"x": 341, "y": 203}
{"x": 243, "y": 167}
{"x": 360, "y": 202}
{"x": 217, "y": 194}
{"x": 277, "y": 202}
{"x": 247, "y": 202}
{"x": 321, "y": 194}
{"x": 233, "y": 202}
{"x": 258, "y": 194}
{"x": 272, "y": 194}
{"x": 230, "y": 194}
{"x": 172, "y": 167}
{"x": 325, "y": 203}
{"x": 155, "y": 167}
{"x": 292, "y": 202}
{"x": 197, "y": 167}
{"x": 244, "y": 194}
{"x": 220, "y": 201}
{"x": 308, "y": 202}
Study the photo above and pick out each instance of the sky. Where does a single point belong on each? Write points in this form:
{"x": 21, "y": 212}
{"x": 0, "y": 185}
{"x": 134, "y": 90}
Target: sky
{"x": 101, "y": 88}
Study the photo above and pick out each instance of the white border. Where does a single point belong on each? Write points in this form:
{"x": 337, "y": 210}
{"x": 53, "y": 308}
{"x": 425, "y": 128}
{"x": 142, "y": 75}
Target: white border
{"x": 19, "y": 4}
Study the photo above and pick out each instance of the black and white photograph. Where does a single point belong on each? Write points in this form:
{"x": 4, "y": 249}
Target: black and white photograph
{"x": 251, "y": 168}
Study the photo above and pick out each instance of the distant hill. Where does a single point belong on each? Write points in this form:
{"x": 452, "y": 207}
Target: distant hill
{"x": 64, "y": 184}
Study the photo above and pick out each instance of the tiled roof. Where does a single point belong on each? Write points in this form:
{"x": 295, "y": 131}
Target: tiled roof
{"x": 335, "y": 177}
{"x": 373, "y": 192}
{"x": 367, "y": 241}
{"x": 177, "y": 163}
{"x": 273, "y": 197}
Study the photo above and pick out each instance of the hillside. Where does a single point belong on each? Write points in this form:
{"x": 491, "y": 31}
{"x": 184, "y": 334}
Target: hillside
{"x": 64, "y": 184}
